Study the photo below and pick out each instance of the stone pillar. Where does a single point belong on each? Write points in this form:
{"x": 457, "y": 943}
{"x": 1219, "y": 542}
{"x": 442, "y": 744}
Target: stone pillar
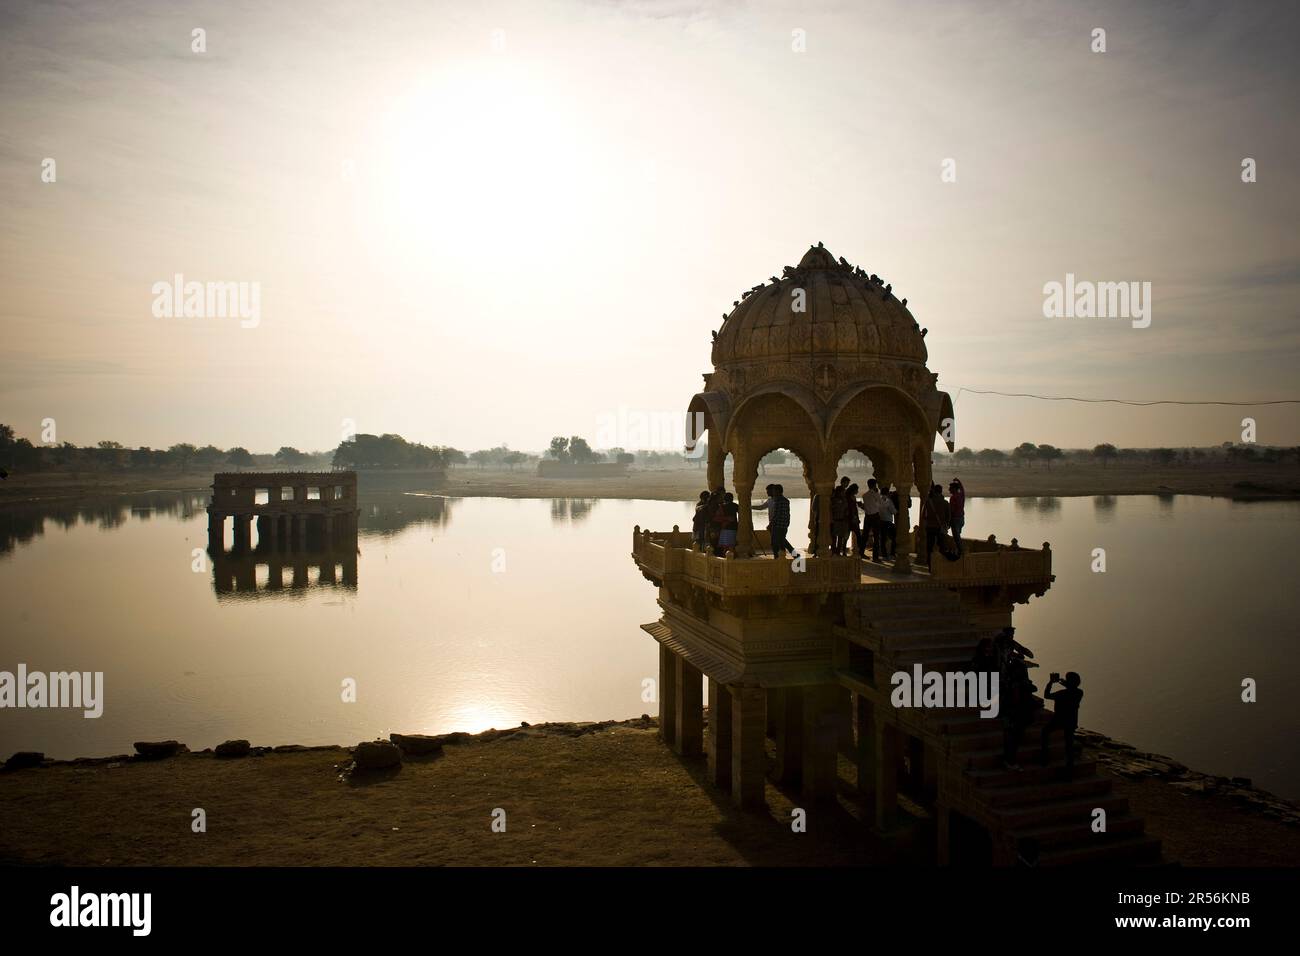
{"x": 302, "y": 530}
{"x": 243, "y": 532}
{"x": 668, "y": 696}
{"x": 819, "y": 743}
{"x": 300, "y": 572}
{"x": 789, "y": 737}
{"x": 823, "y": 490}
{"x": 720, "y": 734}
{"x": 245, "y": 575}
{"x": 329, "y": 530}
{"x": 327, "y": 570}
{"x": 745, "y": 533}
{"x": 886, "y": 789}
{"x": 275, "y": 575}
{"x": 216, "y": 532}
{"x": 717, "y": 459}
{"x": 690, "y": 708}
{"x": 865, "y": 715}
{"x": 748, "y": 755}
{"x": 350, "y": 569}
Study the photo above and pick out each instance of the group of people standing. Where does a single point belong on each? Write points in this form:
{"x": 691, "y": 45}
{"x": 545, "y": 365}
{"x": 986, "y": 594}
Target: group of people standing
{"x": 1018, "y": 706}
{"x": 869, "y": 519}
{"x": 877, "y": 522}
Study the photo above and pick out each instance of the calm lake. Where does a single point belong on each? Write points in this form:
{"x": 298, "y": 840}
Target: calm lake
{"x": 464, "y": 614}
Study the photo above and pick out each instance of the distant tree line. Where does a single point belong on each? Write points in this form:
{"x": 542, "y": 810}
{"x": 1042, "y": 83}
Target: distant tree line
{"x": 1028, "y": 454}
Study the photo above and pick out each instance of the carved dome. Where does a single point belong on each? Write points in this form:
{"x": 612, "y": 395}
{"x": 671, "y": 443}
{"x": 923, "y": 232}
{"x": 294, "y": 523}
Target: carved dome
{"x": 847, "y": 314}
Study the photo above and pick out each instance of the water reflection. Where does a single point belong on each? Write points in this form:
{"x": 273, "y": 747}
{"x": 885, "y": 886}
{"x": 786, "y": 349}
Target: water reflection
{"x": 1103, "y": 508}
{"x": 261, "y": 573}
{"x": 23, "y": 524}
{"x": 571, "y": 510}
{"x": 385, "y": 513}
{"x": 1048, "y": 506}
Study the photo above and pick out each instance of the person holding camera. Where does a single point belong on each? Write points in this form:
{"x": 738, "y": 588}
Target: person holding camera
{"x": 1065, "y": 717}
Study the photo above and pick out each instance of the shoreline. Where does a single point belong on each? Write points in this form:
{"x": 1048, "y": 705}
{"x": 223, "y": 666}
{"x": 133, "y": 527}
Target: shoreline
{"x": 1257, "y": 483}
{"x": 586, "y": 793}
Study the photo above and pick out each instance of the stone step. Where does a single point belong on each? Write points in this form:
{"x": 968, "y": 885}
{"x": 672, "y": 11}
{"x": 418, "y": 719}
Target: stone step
{"x": 1023, "y": 816}
{"x": 1031, "y": 771}
{"x": 1041, "y": 793}
{"x": 1138, "y": 848}
{"x": 1067, "y": 833}
{"x": 990, "y": 758}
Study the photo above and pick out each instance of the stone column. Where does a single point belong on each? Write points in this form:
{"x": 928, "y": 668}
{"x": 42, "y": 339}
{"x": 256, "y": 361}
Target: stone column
{"x": 275, "y": 575}
{"x": 327, "y": 570}
{"x": 350, "y": 570}
{"x": 866, "y": 744}
{"x": 668, "y": 696}
{"x": 789, "y": 737}
{"x": 216, "y": 532}
{"x": 748, "y": 755}
{"x": 243, "y": 532}
{"x": 745, "y": 533}
{"x": 720, "y": 733}
{"x": 717, "y": 459}
{"x": 302, "y": 530}
{"x": 690, "y": 708}
{"x": 886, "y": 789}
{"x": 819, "y": 744}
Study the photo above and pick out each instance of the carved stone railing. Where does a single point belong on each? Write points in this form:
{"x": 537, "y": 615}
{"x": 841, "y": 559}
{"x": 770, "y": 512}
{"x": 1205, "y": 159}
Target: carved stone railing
{"x": 986, "y": 560}
{"x": 664, "y": 554}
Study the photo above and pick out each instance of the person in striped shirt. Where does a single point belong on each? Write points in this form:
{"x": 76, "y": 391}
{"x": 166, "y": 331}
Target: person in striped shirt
{"x": 777, "y": 506}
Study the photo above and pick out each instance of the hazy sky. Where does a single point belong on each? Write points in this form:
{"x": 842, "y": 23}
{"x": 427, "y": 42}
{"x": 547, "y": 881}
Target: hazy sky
{"x": 472, "y": 238}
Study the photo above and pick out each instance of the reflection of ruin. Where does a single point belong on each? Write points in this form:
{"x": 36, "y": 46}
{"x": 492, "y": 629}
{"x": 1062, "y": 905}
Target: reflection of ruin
{"x": 293, "y": 509}
{"x": 571, "y": 510}
{"x": 799, "y": 657}
{"x": 266, "y": 571}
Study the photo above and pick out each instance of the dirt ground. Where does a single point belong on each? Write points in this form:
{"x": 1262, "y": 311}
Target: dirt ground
{"x": 685, "y": 484}
{"x": 613, "y": 796}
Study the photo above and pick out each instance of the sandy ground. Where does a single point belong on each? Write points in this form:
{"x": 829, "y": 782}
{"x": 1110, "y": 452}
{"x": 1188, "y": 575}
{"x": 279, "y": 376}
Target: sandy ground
{"x": 685, "y": 484}
{"x": 611, "y": 796}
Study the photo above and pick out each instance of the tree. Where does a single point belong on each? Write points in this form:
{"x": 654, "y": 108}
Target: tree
{"x": 1106, "y": 452}
{"x": 963, "y": 455}
{"x": 107, "y": 445}
{"x": 559, "y": 449}
{"x": 580, "y": 452}
{"x": 480, "y": 458}
{"x": 288, "y": 455}
{"x": 1048, "y": 454}
{"x": 181, "y": 455}
{"x": 208, "y": 455}
{"x": 991, "y": 456}
{"x": 514, "y": 458}
{"x": 1025, "y": 451}
{"x": 1164, "y": 456}
{"x": 239, "y": 457}
{"x": 453, "y": 456}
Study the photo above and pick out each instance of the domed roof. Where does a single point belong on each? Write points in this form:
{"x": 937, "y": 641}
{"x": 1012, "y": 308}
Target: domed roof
{"x": 846, "y": 313}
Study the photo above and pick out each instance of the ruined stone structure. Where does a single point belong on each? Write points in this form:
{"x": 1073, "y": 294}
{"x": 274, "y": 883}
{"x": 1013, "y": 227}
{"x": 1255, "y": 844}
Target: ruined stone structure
{"x": 293, "y": 509}
{"x": 798, "y": 656}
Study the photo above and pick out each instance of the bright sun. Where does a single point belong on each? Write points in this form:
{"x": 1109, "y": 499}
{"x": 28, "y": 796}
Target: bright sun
{"x": 483, "y": 157}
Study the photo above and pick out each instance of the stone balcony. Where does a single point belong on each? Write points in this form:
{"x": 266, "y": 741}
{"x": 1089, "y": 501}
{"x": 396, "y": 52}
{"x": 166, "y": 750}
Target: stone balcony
{"x": 666, "y": 556}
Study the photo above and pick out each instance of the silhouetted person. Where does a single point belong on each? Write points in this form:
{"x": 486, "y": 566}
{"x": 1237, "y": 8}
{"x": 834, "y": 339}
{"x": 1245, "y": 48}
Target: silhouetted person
{"x": 728, "y": 522}
{"x": 957, "y": 511}
{"x": 840, "y": 506}
{"x": 1008, "y": 648}
{"x": 700, "y": 522}
{"x": 1065, "y": 716}
{"x": 935, "y": 520}
{"x": 716, "y": 500}
{"x": 778, "y": 519}
{"x": 888, "y": 530}
{"x": 855, "y": 525}
{"x": 871, "y": 505}
{"x": 1018, "y": 705}
{"x": 985, "y": 658}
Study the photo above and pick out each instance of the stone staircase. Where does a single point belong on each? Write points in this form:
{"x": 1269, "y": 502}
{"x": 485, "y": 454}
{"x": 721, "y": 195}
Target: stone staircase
{"x": 1044, "y": 814}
